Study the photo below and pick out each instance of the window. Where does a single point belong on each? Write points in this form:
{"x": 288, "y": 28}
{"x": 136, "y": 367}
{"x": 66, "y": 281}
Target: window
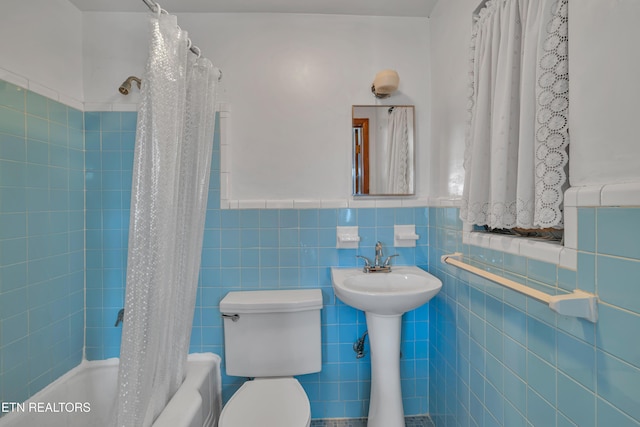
{"x": 518, "y": 132}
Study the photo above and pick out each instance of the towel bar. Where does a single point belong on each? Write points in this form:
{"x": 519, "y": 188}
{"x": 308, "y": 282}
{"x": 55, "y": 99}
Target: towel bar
{"x": 576, "y": 304}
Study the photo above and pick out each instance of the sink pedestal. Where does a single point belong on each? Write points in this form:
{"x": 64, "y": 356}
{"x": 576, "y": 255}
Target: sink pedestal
{"x": 385, "y": 297}
{"x": 385, "y": 404}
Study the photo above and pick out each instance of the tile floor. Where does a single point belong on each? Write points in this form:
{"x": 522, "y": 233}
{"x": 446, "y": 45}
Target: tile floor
{"x": 419, "y": 421}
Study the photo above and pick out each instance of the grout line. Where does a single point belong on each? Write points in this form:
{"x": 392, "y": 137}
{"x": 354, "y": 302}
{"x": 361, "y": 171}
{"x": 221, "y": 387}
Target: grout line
{"x": 410, "y": 421}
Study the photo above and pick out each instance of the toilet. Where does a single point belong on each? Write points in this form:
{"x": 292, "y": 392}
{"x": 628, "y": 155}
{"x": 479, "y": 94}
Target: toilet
{"x": 271, "y": 336}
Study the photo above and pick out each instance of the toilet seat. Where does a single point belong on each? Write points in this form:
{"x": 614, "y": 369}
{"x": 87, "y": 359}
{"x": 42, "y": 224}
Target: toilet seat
{"x": 268, "y": 402}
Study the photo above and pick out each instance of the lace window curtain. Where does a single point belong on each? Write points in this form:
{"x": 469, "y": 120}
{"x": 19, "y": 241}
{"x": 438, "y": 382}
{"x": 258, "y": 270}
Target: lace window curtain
{"x": 517, "y": 129}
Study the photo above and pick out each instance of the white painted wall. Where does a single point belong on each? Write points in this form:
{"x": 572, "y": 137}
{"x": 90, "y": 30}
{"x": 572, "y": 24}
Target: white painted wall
{"x": 115, "y": 46}
{"x": 605, "y": 88}
{"x": 290, "y": 80}
{"x": 41, "y": 41}
{"x": 450, "y": 37}
{"x": 604, "y": 67}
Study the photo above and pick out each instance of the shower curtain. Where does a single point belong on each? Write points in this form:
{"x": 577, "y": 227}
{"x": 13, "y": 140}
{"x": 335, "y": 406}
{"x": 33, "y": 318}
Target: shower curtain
{"x": 396, "y": 160}
{"x": 172, "y": 160}
{"x": 518, "y": 125}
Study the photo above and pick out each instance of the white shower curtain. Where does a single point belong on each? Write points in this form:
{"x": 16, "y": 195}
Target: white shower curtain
{"x": 396, "y": 160}
{"x": 517, "y": 136}
{"x": 168, "y": 204}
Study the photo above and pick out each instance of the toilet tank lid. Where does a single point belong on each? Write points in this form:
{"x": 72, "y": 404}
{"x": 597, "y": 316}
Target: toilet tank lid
{"x": 276, "y": 301}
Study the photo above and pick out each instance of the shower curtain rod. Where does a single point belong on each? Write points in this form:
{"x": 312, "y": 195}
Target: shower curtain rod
{"x": 153, "y": 7}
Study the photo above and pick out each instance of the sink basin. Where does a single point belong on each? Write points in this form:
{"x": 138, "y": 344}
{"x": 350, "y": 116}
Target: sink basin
{"x": 387, "y": 294}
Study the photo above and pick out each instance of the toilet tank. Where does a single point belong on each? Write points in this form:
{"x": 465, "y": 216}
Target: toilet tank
{"x": 272, "y": 333}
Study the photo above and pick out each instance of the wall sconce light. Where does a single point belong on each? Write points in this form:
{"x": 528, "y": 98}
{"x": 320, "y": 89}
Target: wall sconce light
{"x": 385, "y": 83}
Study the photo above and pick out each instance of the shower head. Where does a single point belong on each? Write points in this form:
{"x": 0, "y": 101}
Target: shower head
{"x": 126, "y": 86}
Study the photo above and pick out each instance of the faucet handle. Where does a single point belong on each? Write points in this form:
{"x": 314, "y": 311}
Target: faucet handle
{"x": 120, "y": 317}
{"x": 367, "y": 263}
{"x": 386, "y": 261}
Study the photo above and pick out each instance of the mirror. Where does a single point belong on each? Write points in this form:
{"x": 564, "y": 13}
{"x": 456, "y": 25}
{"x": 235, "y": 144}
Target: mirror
{"x": 383, "y": 148}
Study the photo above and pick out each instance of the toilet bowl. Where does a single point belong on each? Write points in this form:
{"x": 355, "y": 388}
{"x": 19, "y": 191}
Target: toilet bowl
{"x": 268, "y": 402}
{"x": 271, "y": 336}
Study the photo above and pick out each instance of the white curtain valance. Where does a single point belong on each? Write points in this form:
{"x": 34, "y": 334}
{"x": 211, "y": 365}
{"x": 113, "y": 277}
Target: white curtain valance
{"x": 517, "y": 127}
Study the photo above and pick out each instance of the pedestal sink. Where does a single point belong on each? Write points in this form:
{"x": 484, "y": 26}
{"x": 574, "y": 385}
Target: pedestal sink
{"x": 384, "y": 297}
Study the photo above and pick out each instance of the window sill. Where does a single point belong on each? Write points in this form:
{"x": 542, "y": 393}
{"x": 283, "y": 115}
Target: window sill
{"x": 623, "y": 195}
{"x": 552, "y": 252}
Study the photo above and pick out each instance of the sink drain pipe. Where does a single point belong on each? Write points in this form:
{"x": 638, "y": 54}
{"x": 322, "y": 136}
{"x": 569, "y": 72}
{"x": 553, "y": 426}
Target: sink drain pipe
{"x": 358, "y": 346}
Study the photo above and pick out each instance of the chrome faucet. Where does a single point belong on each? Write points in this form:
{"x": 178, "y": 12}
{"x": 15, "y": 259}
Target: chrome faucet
{"x": 378, "y": 254}
{"x": 385, "y": 267}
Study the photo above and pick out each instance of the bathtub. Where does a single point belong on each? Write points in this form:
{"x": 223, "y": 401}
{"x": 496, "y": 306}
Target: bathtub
{"x": 85, "y": 396}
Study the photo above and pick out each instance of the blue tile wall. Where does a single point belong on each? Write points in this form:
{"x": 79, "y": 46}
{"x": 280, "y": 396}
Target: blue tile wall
{"x": 109, "y": 145}
{"x": 476, "y": 355}
{"x": 497, "y": 358}
{"x": 41, "y": 241}
{"x": 245, "y": 250}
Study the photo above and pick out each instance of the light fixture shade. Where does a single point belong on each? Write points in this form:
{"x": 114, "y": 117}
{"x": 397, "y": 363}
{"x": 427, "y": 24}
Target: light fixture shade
{"x": 385, "y": 83}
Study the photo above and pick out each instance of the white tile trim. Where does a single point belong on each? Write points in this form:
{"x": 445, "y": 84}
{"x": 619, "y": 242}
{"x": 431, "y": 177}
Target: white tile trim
{"x": 568, "y": 259}
{"x": 619, "y": 194}
{"x": 71, "y": 102}
{"x": 315, "y": 204}
{"x": 362, "y": 203}
{"x": 542, "y": 251}
{"x": 571, "y": 227}
{"x": 279, "y": 204}
{"x": 505, "y": 244}
{"x": 415, "y": 203}
{"x": 45, "y": 91}
{"x": 627, "y": 194}
{"x": 571, "y": 197}
{"x": 252, "y": 204}
{"x": 334, "y": 204}
{"x": 522, "y": 246}
{"x": 125, "y": 107}
{"x": 225, "y": 178}
{"x": 40, "y": 89}
{"x": 14, "y": 79}
{"x": 225, "y": 175}
{"x": 97, "y": 106}
{"x": 589, "y": 196}
{"x": 388, "y": 203}
{"x": 132, "y": 105}
{"x": 224, "y": 187}
{"x": 307, "y": 204}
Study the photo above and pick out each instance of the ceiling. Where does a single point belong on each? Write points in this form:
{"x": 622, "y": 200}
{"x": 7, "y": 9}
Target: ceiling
{"x": 419, "y": 8}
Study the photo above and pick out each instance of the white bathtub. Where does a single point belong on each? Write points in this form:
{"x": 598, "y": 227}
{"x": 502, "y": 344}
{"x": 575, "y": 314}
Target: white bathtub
{"x": 92, "y": 386}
